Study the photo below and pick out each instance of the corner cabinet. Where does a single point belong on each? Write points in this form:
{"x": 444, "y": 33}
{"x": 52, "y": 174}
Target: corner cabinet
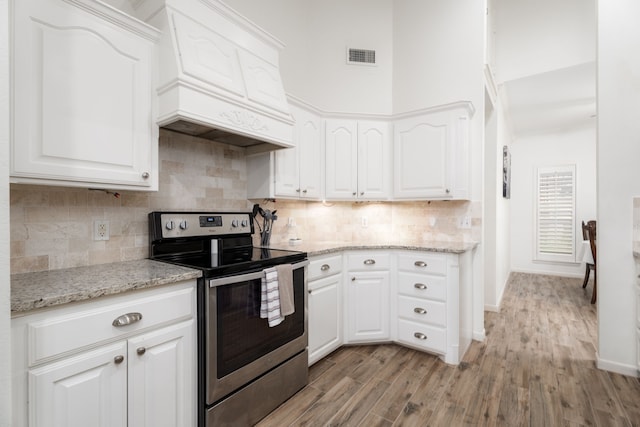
{"x": 74, "y": 367}
{"x": 367, "y": 297}
{"x": 432, "y": 154}
{"x": 290, "y": 173}
{"x": 358, "y": 160}
{"x": 82, "y": 104}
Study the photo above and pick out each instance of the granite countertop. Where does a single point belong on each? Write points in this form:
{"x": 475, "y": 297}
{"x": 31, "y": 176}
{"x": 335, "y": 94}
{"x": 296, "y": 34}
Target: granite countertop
{"x": 323, "y": 248}
{"x": 35, "y": 290}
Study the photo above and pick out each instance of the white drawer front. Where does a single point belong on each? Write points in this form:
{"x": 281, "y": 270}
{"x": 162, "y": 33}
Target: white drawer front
{"x": 422, "y": 336}
{"x": 325, "y": 266}
{"x": 423, "y": 262}
{"x": 369, "y": 261}
{"x": 422, "y": 310}
{"x": 422, "y": 286}
{"x": 59, "y": 334}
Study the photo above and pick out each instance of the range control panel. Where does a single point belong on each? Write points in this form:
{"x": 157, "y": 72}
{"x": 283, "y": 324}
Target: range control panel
{"x": 185, "y": 224}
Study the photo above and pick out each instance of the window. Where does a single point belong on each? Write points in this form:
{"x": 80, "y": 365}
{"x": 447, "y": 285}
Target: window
{"x": 555, "y": 214}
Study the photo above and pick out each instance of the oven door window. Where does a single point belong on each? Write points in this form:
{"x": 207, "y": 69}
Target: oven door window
{"x": 242, "y": 336}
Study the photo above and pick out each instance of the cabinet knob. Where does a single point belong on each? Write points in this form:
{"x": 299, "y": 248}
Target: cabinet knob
{"x": 420, "y": 335}
{"x": 447, "y": 191}
{"x": 420, "y": 286}
{"x": 353, "y": 279}
{"x": 420, "y": 310}
{"x": 369, "y": 261}
{"x": 297, "y": 190}
{"x": 145, "y": 175}
{"x": 362, "y": 193}
{"x": 354, "y": 193}
{"x": 310, "y": 291}
{"x": 118, "y": 359}
{"x": 325, "y": 267}
{"x": 304, "y": 191}
{"x": 141, "y": 351}
{"x": 126, "y": 319}
{"x": 420, "y": 264}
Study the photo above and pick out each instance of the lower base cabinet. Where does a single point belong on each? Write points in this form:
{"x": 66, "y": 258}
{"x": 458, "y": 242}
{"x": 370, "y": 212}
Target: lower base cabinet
{"x": 141, "y": 374}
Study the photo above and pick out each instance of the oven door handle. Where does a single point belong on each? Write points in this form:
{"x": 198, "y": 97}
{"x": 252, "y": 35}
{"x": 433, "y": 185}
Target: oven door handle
{"x": 249, "y": 276}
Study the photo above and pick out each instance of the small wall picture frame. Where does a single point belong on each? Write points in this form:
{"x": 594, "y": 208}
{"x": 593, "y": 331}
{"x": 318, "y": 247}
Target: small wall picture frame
{"x": 506, "y": 172}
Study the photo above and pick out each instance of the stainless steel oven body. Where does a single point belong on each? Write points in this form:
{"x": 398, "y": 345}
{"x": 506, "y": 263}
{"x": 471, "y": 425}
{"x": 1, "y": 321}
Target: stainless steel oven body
{"x": 251, "y": 368}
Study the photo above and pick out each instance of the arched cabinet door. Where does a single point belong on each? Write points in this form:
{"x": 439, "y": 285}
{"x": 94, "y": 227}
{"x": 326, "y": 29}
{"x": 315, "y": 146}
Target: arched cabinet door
{"x": 82, "y": 110}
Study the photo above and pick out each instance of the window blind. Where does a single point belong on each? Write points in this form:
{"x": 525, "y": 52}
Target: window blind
{"x": 555, "y": 214}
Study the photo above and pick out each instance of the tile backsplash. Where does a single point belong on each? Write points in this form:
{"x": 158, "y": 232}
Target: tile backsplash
{"x": 52, "y": 227}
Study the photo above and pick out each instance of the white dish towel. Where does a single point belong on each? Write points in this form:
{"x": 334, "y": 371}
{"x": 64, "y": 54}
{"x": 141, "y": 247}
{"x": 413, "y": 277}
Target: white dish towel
{"x": 270, "y": 297}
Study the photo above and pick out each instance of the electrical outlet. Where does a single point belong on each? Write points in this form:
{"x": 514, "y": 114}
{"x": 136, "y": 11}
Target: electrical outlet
{"x": 465, "y": 222}
{"x": 365, "y": 222}
{"x": 100, "y": 229}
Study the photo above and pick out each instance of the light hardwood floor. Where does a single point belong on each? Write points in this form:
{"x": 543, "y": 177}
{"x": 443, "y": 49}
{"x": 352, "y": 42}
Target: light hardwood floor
{"x": 535, "y": 368}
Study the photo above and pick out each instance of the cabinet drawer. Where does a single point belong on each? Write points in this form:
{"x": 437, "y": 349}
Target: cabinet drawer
{"x": 422, "y": 286}
{"x": 422, "y": 336}
{"x": 59, "y": 334}
{"x": 325, "y": 266}
{"x": 422, "y": 310}
{"x": 369, "y": 261}
{"x": 423, "y": 262}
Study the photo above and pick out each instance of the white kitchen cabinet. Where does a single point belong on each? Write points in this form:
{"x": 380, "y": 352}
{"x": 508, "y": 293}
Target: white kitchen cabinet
{"x": 358, "y": 160}
{"x": 82, "y": 104}
{"x": 367, "y": 297}
{"x": 325, "y": 306}
{"x": 431, "y": 154}
{"x": 292, "y": 173}
{"x": 434, "y": 303}
{"x": 74, "y": 367}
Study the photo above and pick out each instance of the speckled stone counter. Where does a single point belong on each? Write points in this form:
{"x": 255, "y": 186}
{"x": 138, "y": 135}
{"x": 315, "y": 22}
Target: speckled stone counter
{"x": 31, "y": 291}
{"x": 323, "y": 248}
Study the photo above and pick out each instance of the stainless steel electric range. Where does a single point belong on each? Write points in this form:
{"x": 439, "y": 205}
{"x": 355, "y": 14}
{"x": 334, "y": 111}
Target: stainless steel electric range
{"x": 245, "y": 368}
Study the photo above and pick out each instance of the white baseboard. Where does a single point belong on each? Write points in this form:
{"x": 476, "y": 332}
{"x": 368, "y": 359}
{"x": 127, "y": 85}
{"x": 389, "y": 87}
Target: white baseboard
{"x": 618, "y": 368}
{"x": 479, "y": 336}
{"x": 550, "y": 273}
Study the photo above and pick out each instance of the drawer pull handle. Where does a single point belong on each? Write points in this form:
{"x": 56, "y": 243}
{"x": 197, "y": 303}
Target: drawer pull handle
{"x": 141, "y": 351}
{"x": 127, "y": 319}
{"x": 369, "y": 261}
{"x": 420, "y": 335}
{"x": 420, "y": 264}
{"x": 420, "y": 286}
{"x": 420, "y": 310}
{"x": 118, "y": 359}
{"x": 353, "y": 279}
{"x": 325, "y": 267}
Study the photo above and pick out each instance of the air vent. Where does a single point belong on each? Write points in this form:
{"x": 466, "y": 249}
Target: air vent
{"x": 361, "y": 56}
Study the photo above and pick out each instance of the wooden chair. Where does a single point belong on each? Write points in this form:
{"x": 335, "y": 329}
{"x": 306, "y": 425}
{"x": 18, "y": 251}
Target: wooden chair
{"x": 589, "y": 233}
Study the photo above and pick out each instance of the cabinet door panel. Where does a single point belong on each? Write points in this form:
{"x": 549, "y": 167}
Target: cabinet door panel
{"x": 161, "y": 377}
{"x": 368, "y": 306}
{"x": 82, "y": 108}
{"x": 341, "y": 159}
{"x": 421, "y": 158}
{"x": 374, "y": 161}
{"x": 311, "y": 162}
{"x": 85, "y": 390}
{"x": 324, "y": 317}
{"x": 287, "y": 181}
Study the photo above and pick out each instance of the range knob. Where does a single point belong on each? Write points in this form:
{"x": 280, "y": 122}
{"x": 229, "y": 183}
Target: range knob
{"x": 183, "y": 225}
{"x": 245, "y": 222}
{"x": 234, "y": 223}
{"x": 170, "y": 225}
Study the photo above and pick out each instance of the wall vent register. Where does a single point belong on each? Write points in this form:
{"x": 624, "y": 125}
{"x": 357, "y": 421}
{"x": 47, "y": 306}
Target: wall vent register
{"x": 361, "y": 56}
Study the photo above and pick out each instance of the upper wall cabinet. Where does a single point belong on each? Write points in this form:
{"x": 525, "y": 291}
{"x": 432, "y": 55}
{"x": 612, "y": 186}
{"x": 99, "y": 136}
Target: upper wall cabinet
{"x": 431, "y": 154}
{"x": 82, "y": 105}
{"x": 292, "y": 173}
{"x": 358, "y": 160}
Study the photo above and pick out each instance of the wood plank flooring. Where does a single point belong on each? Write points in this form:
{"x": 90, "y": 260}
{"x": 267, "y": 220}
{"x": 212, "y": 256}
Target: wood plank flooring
{"x": 535, "y": 368}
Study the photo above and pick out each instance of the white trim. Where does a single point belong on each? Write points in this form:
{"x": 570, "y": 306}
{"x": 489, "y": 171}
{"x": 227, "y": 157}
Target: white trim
{"x": 618, "y": 368}
{"x": 549, "y": 273}
{"x": 479, "y": 336}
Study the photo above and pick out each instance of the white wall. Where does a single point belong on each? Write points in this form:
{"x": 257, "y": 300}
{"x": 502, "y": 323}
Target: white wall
{"x": 316, "y": 35}
{"x": 618, "y": 151}
{"x": 539, "y": 36}
{"x": 5, "y": 331}
{"x": 496, "y": 208}
{"x": 569, "y": 147}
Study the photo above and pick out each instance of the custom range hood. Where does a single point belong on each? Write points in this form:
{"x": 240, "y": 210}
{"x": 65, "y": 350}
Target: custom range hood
{"x": 218, "y": 75}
